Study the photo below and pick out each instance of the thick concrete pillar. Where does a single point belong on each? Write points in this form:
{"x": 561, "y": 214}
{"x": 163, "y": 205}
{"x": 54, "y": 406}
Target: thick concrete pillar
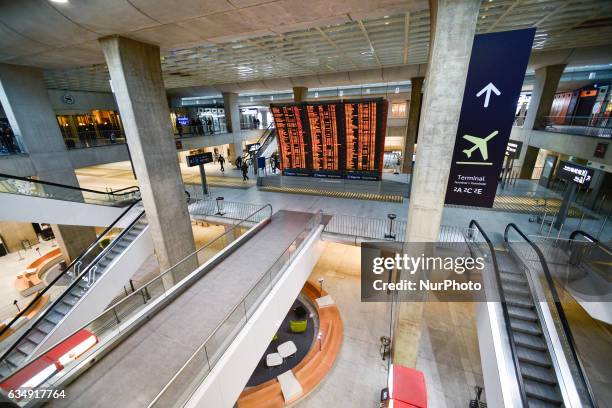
{"x": 300, "y": 93}
{"x": 232, "y": 111}
{"x": 414, "y": 111}
{"x": 542, "y": 96}
{"x": 137, "y": 81}
{"x": 264, "y": 118}
{"x": 24, "y": 96}
{"x": 455, "y": 24}
{"x": 453, "y": 27}
{"x": 529, "y": 162}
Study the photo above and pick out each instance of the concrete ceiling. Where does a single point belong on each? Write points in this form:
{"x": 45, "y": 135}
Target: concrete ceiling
{"x": 266, "y": 45}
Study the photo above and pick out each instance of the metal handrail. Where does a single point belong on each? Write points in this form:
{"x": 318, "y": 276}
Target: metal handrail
{"x": 75, "y": 282}
{"x": 49, "y": 183}
{"x": 68, "y": 268}
{"x": 559, "y": 307}
{"x": 317, "y": 216}
{"x": 502, "y": 298}
{"x": 590, "y": 238}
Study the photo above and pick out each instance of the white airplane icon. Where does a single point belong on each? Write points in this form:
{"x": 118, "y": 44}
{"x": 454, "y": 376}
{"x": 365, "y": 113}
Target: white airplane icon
{"x": 480, "y": 144}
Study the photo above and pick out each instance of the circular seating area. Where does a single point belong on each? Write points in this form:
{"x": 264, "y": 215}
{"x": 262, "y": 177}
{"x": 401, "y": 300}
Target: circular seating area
{"x": 310, "y": 370}
{"x": 31, "y": 280}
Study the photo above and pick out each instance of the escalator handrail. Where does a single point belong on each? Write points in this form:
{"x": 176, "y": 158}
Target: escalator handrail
{"x": 559, "y": 307}
{"x": 502, "y": 298}
{"x": 76, "y": 279}
{"x": 591, "y": 238}
{"x": 50, "y": 183}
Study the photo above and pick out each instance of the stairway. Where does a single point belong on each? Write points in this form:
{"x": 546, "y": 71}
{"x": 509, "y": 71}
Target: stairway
{"x": 537, "y": 371}
{"x": 64, "y": 304}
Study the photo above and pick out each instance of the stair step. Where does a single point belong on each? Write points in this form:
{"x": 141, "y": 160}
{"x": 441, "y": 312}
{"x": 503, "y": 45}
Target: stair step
{"x": 54, "y": 317}
{"x": 15, "y": 359}
{"x": 537, "y": 373}
{"x": 525, "y": 327}
{"x": 519, "y": 290}
{"x": 523, "y": 313}
{"x": 533, "y": 356}
{"x": 26, "y": 346}
{"x": 513, "y": 278}
{"x": 535, "y": 403}
{"x": 528, "y": 341}
{"x": 520, "y": 301}
{"x": 62, "y": 308}
{"x": 37, "y": 336}
{"x": 543, "y": 392}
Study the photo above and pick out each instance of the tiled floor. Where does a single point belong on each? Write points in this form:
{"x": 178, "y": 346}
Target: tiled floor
{"x": 447, "y": 354}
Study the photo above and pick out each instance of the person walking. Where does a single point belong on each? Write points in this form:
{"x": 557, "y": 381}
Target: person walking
{"x": 245, "y": 170}
{"x": 221, "y": 162}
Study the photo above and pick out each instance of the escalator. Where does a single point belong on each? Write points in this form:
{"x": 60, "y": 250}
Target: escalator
{"x": 542, "y": 357}
{"x": 81, "y": 291}
{"x": 22, "y": 198}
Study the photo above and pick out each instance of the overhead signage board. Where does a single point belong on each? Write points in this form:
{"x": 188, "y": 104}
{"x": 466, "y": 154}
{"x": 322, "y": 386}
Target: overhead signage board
{"x": 493, "y": 86}
{"x": 575, "y": 173}
{"x": 513, "y": 149}
{"x": 200, "y": 158}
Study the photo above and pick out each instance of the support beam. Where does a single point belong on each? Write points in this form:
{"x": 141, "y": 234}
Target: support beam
{"x": 136, "y": 76}
{"x": 25, "y": 100}
{"x": 544, "y": 89}
{"x": 453, "y": 26}
{"x": 232, "y": 111}
{"x": 414, "y": 112}
{"x": 299, "y": 93}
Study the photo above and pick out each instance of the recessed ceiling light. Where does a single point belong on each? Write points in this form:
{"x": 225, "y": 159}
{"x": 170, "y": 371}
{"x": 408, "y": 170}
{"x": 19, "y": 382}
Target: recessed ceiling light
{"x": 59, "y": 1}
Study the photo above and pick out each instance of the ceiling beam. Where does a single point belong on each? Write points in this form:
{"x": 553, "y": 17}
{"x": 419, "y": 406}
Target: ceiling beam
{"x": 333, "y": 44}
{"x": 406, "y": 37}
{"x": 367, "y": 37}
{"x": 504, "y": 14}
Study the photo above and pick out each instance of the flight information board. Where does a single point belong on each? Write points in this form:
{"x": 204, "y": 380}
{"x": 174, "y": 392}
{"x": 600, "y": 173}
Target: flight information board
{"x": 293, "y": 140}
{"x": 334, "y": 139}
{"x": 323, "y": 126}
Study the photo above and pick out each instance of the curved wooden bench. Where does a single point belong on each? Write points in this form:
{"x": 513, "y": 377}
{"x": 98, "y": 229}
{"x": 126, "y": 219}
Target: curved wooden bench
{"x": 313, "y": 367}
{"x": 30, "y": 280}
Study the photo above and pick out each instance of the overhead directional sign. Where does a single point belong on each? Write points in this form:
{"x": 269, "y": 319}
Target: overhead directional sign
{"x": 494, "y": 80}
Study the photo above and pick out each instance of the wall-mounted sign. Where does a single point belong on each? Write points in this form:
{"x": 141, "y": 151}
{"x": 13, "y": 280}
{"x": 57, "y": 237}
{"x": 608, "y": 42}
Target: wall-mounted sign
{"x": 493, "y": 86}
{"x": 199, "y": 158}
{"x": 600, "y": 150}
{"x": 513, "y": 149}
{"x": 183, "y": 120}
{"x": 575, "y": 173}
{"x": 68, "y": 99}
{"x": 253, "y": 147}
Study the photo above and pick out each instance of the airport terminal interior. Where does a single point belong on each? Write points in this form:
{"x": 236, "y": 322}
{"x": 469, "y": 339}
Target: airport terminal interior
{"x": 274, "y": 203}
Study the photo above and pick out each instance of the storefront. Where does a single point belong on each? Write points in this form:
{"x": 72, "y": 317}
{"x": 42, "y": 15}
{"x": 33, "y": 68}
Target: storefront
{"x": 98, "y": 128}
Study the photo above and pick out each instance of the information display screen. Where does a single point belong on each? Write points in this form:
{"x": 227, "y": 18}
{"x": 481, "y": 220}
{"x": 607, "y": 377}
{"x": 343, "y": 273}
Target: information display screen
{"x": 293, "y": 140}
{"x": 325, "y": 147}
{"x": 575, "y": 173}
{"x": 333, "y": 140}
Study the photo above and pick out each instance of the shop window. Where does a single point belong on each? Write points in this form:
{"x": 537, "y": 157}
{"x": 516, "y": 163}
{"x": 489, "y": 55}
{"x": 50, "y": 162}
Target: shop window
{"x": 398, "y": 110}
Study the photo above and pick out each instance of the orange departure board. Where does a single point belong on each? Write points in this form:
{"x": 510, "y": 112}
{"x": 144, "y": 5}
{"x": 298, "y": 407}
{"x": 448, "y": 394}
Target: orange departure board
{"x": 360, "y": 122}
{"x": 291, "y": 136}
{"x": 324, "y": 137}
{"x": 332, "y": 139}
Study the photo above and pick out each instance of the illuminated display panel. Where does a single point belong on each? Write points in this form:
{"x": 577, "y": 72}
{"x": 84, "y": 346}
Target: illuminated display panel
{"x": 324, "y": 136}
{"x": 360, "y": 125}
{"x": 291, "y": 136}
{"x": 336, "y": 139}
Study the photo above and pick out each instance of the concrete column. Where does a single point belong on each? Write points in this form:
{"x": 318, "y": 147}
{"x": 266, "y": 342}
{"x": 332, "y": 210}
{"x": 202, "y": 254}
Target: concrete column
{"x": 264, "y": 118}
{"x": 542, "y": 96}
{"x": 232, "y": 111}
{"x": 300, "y": 93}
{"x": 453, "y": 27}
{"x": 455, "y": 24}
{"x": 529, "y": 161}
{"x": 137, "y": 81}
{"x": 414, "y": 111}
{"x": 24, "y": 96}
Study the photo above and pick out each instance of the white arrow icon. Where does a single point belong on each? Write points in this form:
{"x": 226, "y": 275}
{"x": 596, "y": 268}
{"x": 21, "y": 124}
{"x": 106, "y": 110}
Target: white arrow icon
{"x": 488, "y": 89}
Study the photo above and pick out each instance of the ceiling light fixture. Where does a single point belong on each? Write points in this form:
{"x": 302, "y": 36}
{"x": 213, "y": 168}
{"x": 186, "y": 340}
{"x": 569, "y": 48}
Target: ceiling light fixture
{"x": 59, "y": 1}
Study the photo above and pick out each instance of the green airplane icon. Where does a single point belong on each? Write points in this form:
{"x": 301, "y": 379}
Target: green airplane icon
{"x": 480, "y": 144}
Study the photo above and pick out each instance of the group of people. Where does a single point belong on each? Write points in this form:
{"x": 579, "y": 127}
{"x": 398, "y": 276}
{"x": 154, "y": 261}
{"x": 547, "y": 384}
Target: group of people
{"x": 7, "y": 140}
{"x": 196, "y": 126}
